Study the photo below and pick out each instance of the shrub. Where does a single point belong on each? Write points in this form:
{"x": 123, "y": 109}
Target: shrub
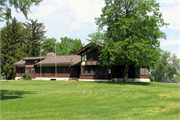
{"x": 26, "y": 77}
{"x": 151, "y": 78}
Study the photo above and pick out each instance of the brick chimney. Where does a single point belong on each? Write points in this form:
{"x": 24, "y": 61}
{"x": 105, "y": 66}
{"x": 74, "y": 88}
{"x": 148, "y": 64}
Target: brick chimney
{"x": 51, "y": 53}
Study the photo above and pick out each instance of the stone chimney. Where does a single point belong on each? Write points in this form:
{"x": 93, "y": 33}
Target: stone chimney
{"x": 51, "y": 53}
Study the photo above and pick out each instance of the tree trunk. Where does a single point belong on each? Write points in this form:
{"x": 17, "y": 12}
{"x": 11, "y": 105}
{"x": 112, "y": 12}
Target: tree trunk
{"x": 125, "y": 74}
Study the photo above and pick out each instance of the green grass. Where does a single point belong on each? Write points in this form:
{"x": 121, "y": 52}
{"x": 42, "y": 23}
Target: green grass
{"x": 88, "y": 100}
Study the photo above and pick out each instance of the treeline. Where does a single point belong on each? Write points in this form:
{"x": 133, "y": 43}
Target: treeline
{"x": 20, "y": 40}
{"x": 167, "y": 68}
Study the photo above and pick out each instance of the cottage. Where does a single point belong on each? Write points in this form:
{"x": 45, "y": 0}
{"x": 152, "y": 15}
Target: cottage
{"x": 82, "y": 66}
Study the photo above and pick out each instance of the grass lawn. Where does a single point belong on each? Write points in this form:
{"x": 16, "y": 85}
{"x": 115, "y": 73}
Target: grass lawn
{"x": 88, "y": 100}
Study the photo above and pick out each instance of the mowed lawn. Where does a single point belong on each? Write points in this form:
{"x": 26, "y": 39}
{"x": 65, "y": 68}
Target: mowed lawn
{"x": 88, "y": 100}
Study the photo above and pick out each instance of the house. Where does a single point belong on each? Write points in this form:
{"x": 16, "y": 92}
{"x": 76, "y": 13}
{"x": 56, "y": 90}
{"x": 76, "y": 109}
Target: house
{"x": 82, "y": 66}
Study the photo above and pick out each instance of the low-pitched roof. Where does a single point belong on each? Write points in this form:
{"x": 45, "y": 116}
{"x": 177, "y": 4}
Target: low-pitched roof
{"x": 65, "y": 59}
{"x": 34, "y": 58}
{"x": 72, "y": 60}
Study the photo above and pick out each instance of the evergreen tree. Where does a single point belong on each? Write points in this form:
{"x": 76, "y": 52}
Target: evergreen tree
{"x": 11, "y": 47}
{"x": 131, "y": 33}
{"x": 35, "y": 34}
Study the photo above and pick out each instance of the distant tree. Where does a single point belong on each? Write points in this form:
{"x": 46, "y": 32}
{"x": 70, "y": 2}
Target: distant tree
{"x": 35, "y": 34}
{"x": 131, "y": 33}
{"x": 68, "y": 46}
{"x": 166, "y": 67}
{"x": 20, "y": 6}
{"x": 48, "y": 45}
{"x": 11, "y": 47}
{"x": 176, "y": 78}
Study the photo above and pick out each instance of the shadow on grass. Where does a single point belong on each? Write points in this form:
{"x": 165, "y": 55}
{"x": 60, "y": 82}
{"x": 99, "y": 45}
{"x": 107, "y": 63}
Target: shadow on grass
{"x": 130, "y": 83}
{"x": 8, "y": 94}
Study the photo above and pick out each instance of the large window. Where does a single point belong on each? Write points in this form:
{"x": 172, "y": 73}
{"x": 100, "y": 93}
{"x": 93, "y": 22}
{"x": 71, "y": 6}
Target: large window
{"x": 26, "y": 70}
{"x": 104, "y": 70}
{"x": 94, "y": 69}
{"x": 88, "y": 69}
{"x": 21, "y": 70}
{"x": 99, "y": 70}
{"x": 52, "y": 70}
{"x": 89, "y": 55}
{"x": 84, "y": 56}
{"x": 65, "y": 70}
{"x": 32, "y": 70}
{"x": 29, "y": 70}
{"x": 43, "y": 70}
{"x": 137, "y": 71}
{"x": 146, "y": 71}
{"x": 142, "y": 71}
{"x": 83, "y": 69}
{"x": 94, "y": 55}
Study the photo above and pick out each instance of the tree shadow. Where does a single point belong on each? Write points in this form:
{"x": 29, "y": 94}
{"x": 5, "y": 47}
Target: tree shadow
{"x": 8, "y": 94}
{"x": 129, "y": 83}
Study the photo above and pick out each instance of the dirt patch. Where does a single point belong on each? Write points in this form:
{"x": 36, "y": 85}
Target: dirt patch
{"x": 163, "y": 94}
{"x": 177, "y": 105}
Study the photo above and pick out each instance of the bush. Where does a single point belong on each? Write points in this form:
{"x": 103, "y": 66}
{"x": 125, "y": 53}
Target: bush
{"x": 26, "y": 77}
{"x": 151, "y": 78}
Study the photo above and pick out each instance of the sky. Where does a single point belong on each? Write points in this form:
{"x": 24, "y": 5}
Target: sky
{"x": 75, "y": 19}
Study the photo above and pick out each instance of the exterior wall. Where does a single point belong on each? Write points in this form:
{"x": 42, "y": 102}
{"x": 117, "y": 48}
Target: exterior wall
{"x": 62, "y": 72}
{"x": 20, "y": 71}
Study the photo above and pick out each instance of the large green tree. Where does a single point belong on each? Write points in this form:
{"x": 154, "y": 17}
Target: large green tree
{"x": 35, "y": 35}
{"x": 20, "y": 6}
{"x": 68, "y": 46}
{"x": 131, "y": 33}
{"x": 12, "y": 36}
{"x": 166, "y": 67}
{"x": 48, "y": 45}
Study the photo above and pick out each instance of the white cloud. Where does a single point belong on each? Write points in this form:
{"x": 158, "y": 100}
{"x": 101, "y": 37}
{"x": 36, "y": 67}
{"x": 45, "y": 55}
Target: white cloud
{"x": 171, "y": 14}
{"x": 170, "y": 42}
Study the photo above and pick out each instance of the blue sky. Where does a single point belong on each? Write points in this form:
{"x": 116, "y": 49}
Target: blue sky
{"x": 75, "y": 19}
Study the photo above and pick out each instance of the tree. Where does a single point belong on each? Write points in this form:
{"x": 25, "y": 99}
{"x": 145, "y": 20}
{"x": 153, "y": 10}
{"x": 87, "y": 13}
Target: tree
{"x": 11, "y": 47}
{"x": 68, "y": 46}
{"x": 20, "y": 6}
{"x": 166, "y": 67}
{"x": 35, "y": 35}
{"x": 131, "y": 33}
{"x": 48, "y": 45}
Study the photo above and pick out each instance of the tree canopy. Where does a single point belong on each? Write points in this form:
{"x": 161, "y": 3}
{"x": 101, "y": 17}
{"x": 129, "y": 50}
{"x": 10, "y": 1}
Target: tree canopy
{"x": 166, "y": 67}
{"x": 20, "y": 6}
{"x": 67, "y": 46}
{"x": 11, "y": 47}
{"x": 131, "y": 29}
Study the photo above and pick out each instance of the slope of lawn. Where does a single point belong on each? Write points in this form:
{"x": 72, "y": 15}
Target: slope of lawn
{"x": 88, "y": 100}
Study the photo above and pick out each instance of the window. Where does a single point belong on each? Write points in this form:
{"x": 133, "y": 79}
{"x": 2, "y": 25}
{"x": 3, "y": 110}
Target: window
{"x": 64, "y": 70}
{"x": 104, "y": 70}
{"x": 29, "y": 70}
{"x": 137, "y": 71}
{"x": 94, "y": 55}
{"x": 26, "y": 70}
{"x": 99, "y": 70}
{"x": 83, "y": 69}
{"x": 32, "y": 70}
{"x": 21, "y": 70}
{"x": 88, "y": 69}
{"x": 94, "y": 69}
{"x": 52, "y": 70}
{"x": 84, "y": 56}
{"x": 43, "y": 70}
{"x": 146, "y": 71}
{"x": 89, "y": 55}
{"x": 142, "y": 71}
